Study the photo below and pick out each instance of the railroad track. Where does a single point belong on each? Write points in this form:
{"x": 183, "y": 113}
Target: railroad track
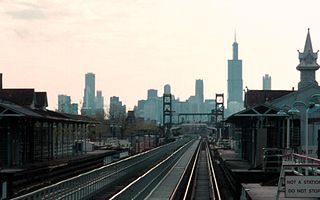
{"x": 90, "y": 184}
{"x": 202, "y": 183}
{"x": 170, "y": 179}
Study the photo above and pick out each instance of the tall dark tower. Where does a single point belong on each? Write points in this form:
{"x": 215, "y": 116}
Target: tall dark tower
{"x": 167, "y": 114}
{"x": 235, "y": 85}
{"x": 199, "y": 91}
{"x": 308, "y": 65}
{"x": 88, "y": 105}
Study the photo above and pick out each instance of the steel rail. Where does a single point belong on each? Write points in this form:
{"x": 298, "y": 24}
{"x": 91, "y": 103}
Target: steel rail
{"x": 213, "y": 180}
{"x": 155, "y": 172}
{"x": 176, "y": 189}
{"x": 213, "y": 185}
{"x": 192, "y": 174}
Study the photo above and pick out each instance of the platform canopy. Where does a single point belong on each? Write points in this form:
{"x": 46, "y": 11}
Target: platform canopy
{"x": 10, "y": 110}
{"x": 13, "y": 110}
{"x": 262, "y": 110}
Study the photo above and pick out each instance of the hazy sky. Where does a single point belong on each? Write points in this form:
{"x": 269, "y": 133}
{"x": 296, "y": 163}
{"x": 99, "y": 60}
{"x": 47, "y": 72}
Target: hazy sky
{"x": 134, "y": 45}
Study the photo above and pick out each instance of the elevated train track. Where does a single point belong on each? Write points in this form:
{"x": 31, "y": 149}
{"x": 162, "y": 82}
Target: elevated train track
{"x": 90, "y": 184}
{"x": 186, "y": 172}
{"x": 197, "y": 179}
{"x": 202, "y": 181}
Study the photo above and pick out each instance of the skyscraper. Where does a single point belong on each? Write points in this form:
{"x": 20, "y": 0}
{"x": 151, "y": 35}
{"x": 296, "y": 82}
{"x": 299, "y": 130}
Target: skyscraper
{"x": 199, "y": 91}
{"x": 235, "y": 85}
{"x": 64, "y": 103}
{"x": 99, "y": 105}
{"x": 152, "y": 93}
{"x": 266, "y": 82}
{"x": 99, "y": 100}
{"x": 117, "y": 111}
{"x": 88, "y": 106}
{"x": 74, "y": 108}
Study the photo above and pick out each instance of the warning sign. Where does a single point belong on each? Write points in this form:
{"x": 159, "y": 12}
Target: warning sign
{"x": 302, "y": 186}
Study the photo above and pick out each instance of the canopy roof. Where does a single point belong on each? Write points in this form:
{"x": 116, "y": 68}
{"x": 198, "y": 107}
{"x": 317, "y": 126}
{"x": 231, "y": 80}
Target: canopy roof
{"x": 8, "y": 110}
{"x": 262, "y": 110}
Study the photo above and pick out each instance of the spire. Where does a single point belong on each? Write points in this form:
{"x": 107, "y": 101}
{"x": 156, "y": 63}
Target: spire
{"x": 235, "y": 47}
{"x": 308, "y": 44}
{"x": 308, "y": 64}
{"x": 308, "y": 58}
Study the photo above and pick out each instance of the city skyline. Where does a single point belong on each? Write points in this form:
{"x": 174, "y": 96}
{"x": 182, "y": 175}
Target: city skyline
{"x": 134, "y": 46}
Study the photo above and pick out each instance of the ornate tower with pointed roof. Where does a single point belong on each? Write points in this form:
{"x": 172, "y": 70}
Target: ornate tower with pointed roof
{"x": 235, "y": 84}
{"x": 308, "y": 65}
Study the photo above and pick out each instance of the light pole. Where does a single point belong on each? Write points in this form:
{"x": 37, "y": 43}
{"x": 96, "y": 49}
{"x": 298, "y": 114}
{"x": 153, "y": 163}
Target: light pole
{"x": 284, "y": 114}
{"x": 112, "y": 126}
{"x": 120, "y": 130}
{"x": 294, "y": 110}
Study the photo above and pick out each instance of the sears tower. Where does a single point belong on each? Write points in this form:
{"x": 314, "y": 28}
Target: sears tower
{"x": 235, "y": 85}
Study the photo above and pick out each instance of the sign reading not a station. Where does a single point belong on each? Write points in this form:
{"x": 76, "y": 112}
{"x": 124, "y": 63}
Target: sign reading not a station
{"x": 302, "y": 186}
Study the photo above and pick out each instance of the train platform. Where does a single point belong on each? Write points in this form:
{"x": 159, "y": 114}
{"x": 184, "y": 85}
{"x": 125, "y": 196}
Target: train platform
{"x": 167, "y": 185}
{"x": 251, "y": 179}
{"x": 59, "y": 162}
{"x": 233, "y": 160}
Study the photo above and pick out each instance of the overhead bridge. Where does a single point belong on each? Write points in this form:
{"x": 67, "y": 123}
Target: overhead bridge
{"x": 193, "y": 128}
